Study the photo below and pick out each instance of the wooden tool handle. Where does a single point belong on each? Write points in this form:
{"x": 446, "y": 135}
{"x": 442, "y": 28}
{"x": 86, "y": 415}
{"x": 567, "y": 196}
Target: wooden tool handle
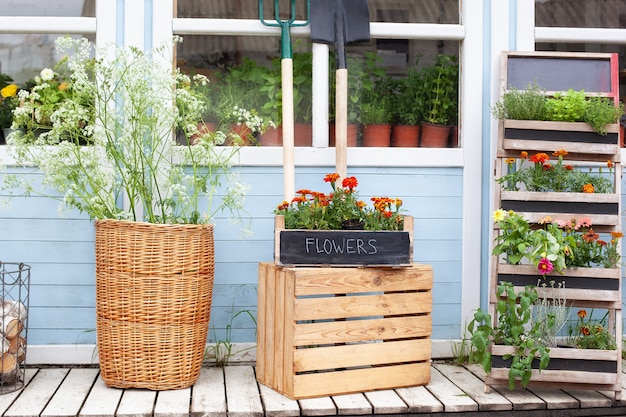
{"x": 341, "y": 122}
{"x": 288, "y": 123}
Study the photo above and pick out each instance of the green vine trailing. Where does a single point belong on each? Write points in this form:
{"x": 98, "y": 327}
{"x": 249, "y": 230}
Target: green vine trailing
{"x": 515, "y": 328}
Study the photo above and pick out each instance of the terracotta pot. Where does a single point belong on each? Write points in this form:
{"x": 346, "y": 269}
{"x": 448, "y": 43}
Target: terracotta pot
{"x": 303, "y": 134}
{"x": 407, "y": 136}
{"x": 244, "y": 132}
{"x": 434, "y": 136}
{"x": 454, "y": 137}
{"x": 353, "y": 134}
{"x": 273, "y": 136}
{"x": 377, "y": 135}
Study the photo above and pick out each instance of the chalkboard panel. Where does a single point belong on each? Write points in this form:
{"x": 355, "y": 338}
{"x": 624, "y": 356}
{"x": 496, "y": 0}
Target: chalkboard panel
{"x": 552, "y": 74}
{"x": 342, "y": 247}
{"x": 560, "y": 207}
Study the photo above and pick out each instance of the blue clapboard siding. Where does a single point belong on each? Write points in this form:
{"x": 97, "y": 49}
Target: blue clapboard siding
{"x": 60, "y": 250}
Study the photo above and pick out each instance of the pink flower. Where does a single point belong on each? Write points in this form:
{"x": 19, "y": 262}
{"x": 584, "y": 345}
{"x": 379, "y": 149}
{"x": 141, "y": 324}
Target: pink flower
{"x": 545, "y": 266}
{"x": 583, "y": 222}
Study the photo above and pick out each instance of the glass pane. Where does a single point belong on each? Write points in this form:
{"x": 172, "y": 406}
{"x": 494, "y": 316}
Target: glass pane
{"x": 24, "y": 56}
{"x": 399, "y": 11}
{"x": 580, "y": 13}
{"x": 66, "y": 8}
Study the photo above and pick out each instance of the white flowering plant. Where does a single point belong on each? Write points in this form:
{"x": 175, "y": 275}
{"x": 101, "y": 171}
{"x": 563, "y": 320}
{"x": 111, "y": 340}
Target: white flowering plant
{"x": 137, "y": 102}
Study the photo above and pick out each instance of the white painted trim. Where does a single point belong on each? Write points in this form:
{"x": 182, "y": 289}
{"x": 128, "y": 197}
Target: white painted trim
{"x": 48, "y": 25}
{"x": 250, "y": 27}
{"x": 106, "y": 12}
{"x": 525, "y": 25}
{"x": 580, "y": 35}
{"x": 162, "y": 15}
{"x": 320, "y": 98}
{"x": 79, "y": 354}
{"x": 471, "y": 137}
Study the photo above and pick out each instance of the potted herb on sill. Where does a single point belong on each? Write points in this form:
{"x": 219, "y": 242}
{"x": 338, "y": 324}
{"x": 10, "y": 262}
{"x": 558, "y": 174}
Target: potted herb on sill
{"x": 376, "y": 113}
{"x": 441, "y": 101}
{"x": 408, "y": 108}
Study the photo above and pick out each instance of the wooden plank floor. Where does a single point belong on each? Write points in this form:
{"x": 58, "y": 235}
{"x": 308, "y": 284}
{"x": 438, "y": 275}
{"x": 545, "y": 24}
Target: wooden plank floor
{"x": 232, "y": 391}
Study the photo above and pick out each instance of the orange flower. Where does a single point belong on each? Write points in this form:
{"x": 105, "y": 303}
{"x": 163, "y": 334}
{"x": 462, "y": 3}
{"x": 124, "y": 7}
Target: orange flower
{"x": 510, "y": 161}
{"x": 63, "y": 86}
{"x": 601, "y": 242}
{"x": 617, "y": 235}
{"x": 524, "y": 155}
{"x": 299, "y": 199}
{"x": 590, "y": 236}
{"x": 283, "y": 206}
{"x": 569, "y": 167}
{"x": 585, "y": 330}
{"x": 540, "y": 158}
{"x": 547, "y": 167}
{"x": 588, "y": 188}
{"x": 582, "y": 314}
{"x": 303, "y": 192}
{"x": 361, "y": 204}
{"x": 560, "y": 152}
{"x": 350, "y": 183}
{"x": 609, "y": 164}
{"x": 332, "y": 178}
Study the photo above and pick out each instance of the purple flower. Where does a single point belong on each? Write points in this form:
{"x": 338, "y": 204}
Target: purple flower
{"x": 545, "y": 266}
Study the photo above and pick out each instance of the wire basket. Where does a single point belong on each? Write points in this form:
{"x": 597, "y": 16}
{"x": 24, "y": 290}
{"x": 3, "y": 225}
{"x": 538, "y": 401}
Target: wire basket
{"x": 154, "y": 285}
{"x": 15, "y": 278}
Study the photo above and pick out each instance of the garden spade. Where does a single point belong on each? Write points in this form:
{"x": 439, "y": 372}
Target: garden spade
{"x": 340, "y": 22}
{"x": 286, "y": 68}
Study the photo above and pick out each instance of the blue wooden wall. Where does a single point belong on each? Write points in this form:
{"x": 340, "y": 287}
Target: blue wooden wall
{"x": 60, "y": 250}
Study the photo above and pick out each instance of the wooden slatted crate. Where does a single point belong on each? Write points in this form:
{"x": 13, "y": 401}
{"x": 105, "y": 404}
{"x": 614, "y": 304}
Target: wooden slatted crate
{"x": 331, "y": 331}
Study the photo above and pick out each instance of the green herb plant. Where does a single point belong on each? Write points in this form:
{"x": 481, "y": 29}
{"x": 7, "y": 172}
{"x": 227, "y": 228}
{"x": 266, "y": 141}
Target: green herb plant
{"x": 526, "y": 104}
{"x": 515, "y": 327}
{"x": 441, "y": 90}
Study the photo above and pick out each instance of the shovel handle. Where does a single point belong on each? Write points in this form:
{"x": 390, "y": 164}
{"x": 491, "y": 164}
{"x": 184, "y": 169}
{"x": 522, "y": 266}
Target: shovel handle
{"x": 288, "y": 129}
{"x": 341, "y": 122}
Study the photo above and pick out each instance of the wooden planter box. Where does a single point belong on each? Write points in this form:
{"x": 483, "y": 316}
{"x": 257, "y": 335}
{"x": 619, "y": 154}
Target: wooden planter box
{"x": 574, "y": 137}
{"x": 570, "y": 368}
{"x": 581, "y": 284}
{"x": 343, "y": 247}
{"x": 602, "y": 209}
{"x": 330, "y": 331}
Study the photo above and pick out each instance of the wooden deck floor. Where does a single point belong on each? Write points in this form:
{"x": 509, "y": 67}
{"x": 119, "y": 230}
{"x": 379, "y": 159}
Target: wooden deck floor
{"x": 232, "y": 391}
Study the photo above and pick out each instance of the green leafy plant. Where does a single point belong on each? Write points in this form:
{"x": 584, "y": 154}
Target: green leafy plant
{"x": 136, "y": 109}
{"x": 408, "y": 102}
{"x": 441, "y": 90}
{"x": 526, "y": 104}
{"x": 600, "y": 112}
{"x": 377, "y": 104}
{"x": 568, "y": 107}
{"x": 558, "y": 244}
{"x": 514, "y": 327}
{"x": 541, "y": 175}
{"x": 8, "y": 100}
{"x": 316, "y": 210}
{"x": 551, "y": 310}
{"x": 588, "y": 333}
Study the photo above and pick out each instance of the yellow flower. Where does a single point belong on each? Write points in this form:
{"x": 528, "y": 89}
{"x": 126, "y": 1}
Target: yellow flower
{"x": 510, "y": 161}
{"x": 9, "y": 91}
{"x": 499, "y": 215}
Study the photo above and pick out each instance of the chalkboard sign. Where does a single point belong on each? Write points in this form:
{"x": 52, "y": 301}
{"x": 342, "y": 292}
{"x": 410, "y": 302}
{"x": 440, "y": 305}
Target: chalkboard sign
{"x": 554, "y": 71}
{"x": 345, "y": 247}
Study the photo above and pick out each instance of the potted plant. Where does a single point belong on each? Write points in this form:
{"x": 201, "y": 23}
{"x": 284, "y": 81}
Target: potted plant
{"x": 408, "y": 107}
{"x": 377, "y": 113}
{"x": 440, "y": 83}
{"x": 548, "y": 121}
{"x": 8, "y": 102}
{"x": 171, "y": 195}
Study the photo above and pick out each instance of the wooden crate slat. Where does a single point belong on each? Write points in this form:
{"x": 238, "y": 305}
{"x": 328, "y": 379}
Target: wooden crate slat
{"x": 359, "y": 380}
{"x": 362, "y": 330}
{"x": 318, "y": 281}
{"x": 351, "y": 355}
{"x": 366, "y": 305}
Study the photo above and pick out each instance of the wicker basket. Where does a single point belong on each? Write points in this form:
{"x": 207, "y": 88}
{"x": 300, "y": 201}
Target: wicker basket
{"x": 154, "y": 285}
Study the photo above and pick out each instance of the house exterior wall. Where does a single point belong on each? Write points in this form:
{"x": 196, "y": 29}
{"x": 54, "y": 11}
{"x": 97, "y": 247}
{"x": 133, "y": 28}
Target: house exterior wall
{"x": 446, "y": 190}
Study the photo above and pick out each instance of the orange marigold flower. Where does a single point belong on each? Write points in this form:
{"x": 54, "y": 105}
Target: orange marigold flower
{"x": 510, "y": 161}
{"x": 303, "y": 191}
{"x": 582, "y": 313}
{"x": 350, "y": 183}
{"x": 524, "y": 155}
{"x": 560, "y": 152}
{"x": 387, "y": 214}
{"x": 361, "y": 204}
{"x": 547, "y": 167}
{"x": 609, "y": 164}
{"x": 540, "y": 158}
{"x": 617, "y": 235}
{"x": 590, "y": 236}
{"x": 584, "y": 330}
{"x": 588, "y": 188}
{"x": 283, "y": 206}
{"x": 398, "y": 202}
{"x": 569, "y": 167}
{"x": 601, "y": 242}
{"x": 332, "y": 178}
{"x": 299, "y": 199}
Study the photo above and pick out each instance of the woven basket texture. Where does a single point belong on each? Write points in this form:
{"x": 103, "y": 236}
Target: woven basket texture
{"x": 154, "y": 285}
